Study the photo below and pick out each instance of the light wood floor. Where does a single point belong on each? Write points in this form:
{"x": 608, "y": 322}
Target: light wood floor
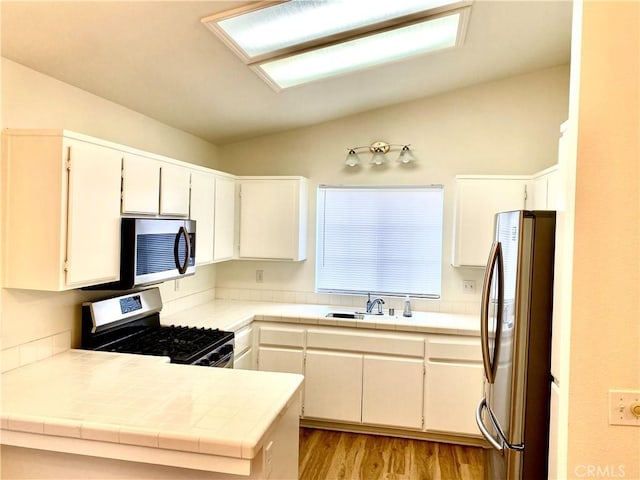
{"x": 330, "y": 455}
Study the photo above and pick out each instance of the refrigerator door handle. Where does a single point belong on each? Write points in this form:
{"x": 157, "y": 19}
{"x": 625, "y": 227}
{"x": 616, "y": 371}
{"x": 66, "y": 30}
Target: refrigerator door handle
{"x": 503, "y": 444}
{"x": 495, "y": 259}
{"x": 483, "y": 429}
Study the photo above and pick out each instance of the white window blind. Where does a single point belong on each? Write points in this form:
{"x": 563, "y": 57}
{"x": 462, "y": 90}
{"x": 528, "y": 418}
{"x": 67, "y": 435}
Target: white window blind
{"x": 383, "y": 240}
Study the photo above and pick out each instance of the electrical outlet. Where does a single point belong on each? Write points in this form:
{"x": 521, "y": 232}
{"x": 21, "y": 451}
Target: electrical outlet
{"x": 624, "y": 407}
{"x": 259, "y": 276}
{"x": 469, "y": 286}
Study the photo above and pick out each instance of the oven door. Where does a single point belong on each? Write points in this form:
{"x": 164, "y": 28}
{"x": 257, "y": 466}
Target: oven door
{"x": 224, "y": 362}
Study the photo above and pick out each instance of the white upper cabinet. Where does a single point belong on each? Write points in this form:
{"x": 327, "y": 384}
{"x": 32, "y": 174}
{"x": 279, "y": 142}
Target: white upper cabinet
{"x": 478, "y": 199}
{"x": 273, "y": 218}
{"x": 203, "y": 212}
{"x": 153, "y": 187}
{"x": 62, "y": 211}
{"x": 225, "y": 219}
{"x": 140, "y": 185}
{"x": 174, "y": 190}
{"x": 545, "y": 189}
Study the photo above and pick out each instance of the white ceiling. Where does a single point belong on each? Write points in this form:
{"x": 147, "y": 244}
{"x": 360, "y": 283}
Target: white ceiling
{"x": 158, "y": 59}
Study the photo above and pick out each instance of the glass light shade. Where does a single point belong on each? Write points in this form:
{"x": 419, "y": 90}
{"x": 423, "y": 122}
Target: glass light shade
{"x": 352, "y": 159}
{"x": 406, "y": 155}
{"x": 378, "y": 158}
{"x": 391, "y": 45}
{"x": 284, "y": 25}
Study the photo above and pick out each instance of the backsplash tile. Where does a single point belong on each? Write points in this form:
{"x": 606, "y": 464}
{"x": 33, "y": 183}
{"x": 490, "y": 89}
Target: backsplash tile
{"x": 352, "y": 301}
{"x": 10, "y": 358}
{"x": 19, "y": 355}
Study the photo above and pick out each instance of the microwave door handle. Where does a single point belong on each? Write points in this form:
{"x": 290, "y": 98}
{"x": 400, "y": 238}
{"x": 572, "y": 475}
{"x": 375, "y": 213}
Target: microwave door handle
{"x": 182, "y": 267}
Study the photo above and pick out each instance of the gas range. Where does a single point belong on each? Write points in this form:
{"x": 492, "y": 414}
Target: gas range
{"x": 131, "y": 324}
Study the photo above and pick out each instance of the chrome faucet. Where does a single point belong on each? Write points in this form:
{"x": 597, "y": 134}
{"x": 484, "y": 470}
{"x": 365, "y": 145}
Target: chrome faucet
{"x": 371, "y": 303}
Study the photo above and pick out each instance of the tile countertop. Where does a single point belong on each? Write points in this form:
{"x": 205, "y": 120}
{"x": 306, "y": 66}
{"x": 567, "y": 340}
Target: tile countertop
{"x": 233, "y": 315}
{"x": 146, "y": 402}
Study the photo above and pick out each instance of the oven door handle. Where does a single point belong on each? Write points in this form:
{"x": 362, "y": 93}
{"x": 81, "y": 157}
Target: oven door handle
{"x": 182, "y": 267}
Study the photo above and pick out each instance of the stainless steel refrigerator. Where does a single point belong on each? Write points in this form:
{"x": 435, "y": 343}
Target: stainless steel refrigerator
{"x": 515, "y": 327}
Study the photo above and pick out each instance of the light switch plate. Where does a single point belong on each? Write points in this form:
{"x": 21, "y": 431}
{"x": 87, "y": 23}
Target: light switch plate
{"x": 622, "y": 403}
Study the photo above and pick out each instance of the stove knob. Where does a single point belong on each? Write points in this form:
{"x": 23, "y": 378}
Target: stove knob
{"x": 226, "y": 349}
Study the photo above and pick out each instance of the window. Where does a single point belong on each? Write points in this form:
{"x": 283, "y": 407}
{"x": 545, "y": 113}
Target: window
{"x": 383, "y": 240}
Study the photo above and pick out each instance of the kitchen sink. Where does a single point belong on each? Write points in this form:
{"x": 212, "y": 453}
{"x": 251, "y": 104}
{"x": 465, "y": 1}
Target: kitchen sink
{"x": 355, "y": 316}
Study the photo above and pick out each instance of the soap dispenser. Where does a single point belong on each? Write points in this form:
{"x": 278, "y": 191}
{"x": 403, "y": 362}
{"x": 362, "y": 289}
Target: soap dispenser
{"x": 407, "y": 307}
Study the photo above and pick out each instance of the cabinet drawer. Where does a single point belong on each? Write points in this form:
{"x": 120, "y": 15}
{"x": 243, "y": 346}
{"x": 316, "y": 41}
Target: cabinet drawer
{"x": 285, "y": 337}
{"x": 454, "y": 348}
{"x": 370, "y": 343}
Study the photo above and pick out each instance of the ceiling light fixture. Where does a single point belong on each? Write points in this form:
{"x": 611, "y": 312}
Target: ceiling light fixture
{"x": 379, "y": 151}
{"x": 294, "y": 42}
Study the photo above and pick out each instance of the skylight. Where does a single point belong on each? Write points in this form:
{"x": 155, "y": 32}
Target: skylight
{"x": 299, "y": 41}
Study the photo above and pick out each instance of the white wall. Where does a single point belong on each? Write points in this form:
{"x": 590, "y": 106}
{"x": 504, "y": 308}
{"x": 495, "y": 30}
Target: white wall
{"x": 504, "y": 127}
{"x": 42, "y": 321}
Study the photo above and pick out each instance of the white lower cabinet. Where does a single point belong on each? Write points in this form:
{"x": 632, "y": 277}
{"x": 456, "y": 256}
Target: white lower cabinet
{"x": 243, "y": 348}
{"x": 275, "y": 359}
{"x": 400, "y": 380}
{"x": 281, "y": 349}
{"x": 452, "y": 394}
{"x": 453, "y": 384}
{"x": 392, "y": 393}
{"x": 333, "y": 386}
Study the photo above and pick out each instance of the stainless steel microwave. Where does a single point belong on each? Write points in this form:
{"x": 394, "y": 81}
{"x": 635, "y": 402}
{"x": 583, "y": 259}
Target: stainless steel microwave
{"x": 154, "y": 250}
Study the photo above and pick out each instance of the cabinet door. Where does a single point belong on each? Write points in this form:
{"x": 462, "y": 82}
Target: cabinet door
{"x": 202, "y": 211}
{"x": 545, "y": 190}
{"x": 333, "y": 386}
{"x": 174, "y": 190}
{"x": 140, "y": 185}
{"x": 477, "y": 202}
{"x": 452, "y": 392}
{"x": 93, "y": 215}
{"x": 392, "y": 391}
{"x": 553, "y": 187}
{"x": 225, "y": 219}
{"x": 269, "y": 219}
{"x": 538, "y": 194}
{"x": 275, "y": 359}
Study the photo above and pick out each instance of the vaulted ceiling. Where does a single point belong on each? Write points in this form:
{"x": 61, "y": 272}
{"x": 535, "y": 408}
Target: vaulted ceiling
{"x": 158, "y": 59}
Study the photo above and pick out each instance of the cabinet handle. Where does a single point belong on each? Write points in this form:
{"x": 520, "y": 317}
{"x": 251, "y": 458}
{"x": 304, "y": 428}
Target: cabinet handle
{"x": 182, "y": 268}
